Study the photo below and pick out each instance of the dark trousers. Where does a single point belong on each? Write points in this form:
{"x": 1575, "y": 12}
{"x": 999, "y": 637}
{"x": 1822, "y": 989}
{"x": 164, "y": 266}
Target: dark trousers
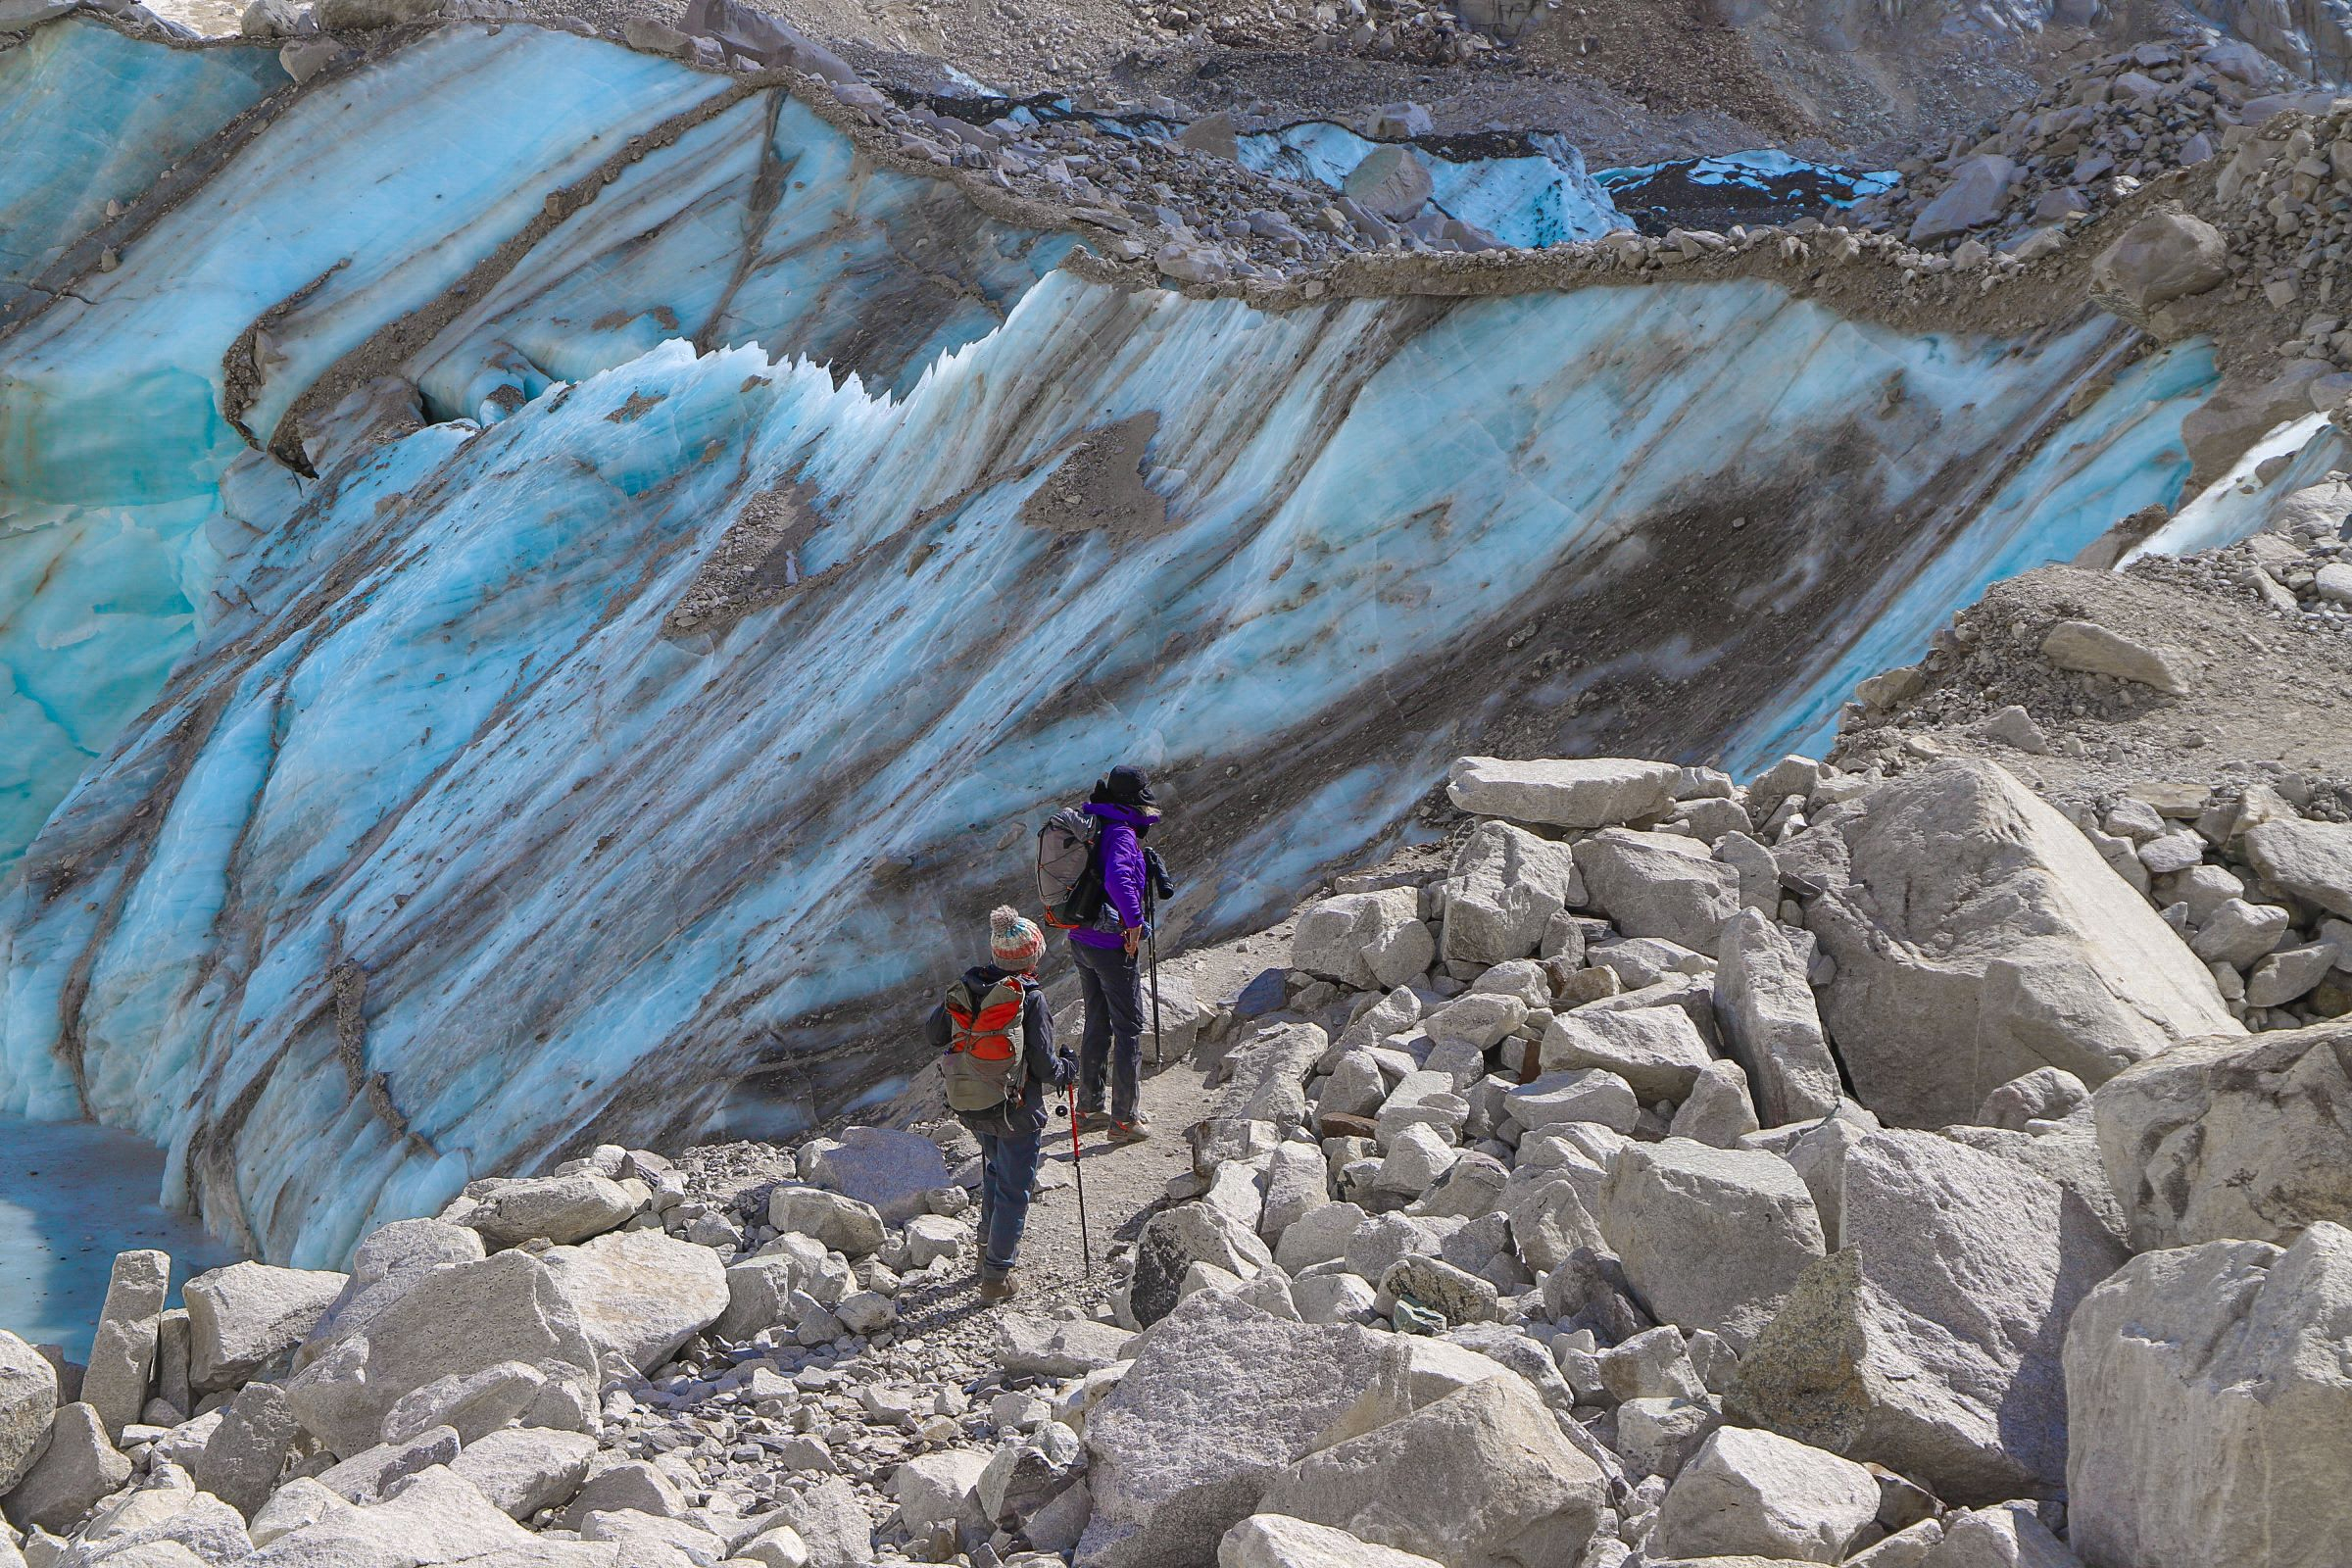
{"x": 1008, "y": 1171}
{"x": 1114, "y": 987}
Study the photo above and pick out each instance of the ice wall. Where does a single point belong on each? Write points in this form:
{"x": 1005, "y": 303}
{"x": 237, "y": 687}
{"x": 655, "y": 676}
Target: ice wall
{"x": 705, "y": 210}
{"x": 444, "y": 848}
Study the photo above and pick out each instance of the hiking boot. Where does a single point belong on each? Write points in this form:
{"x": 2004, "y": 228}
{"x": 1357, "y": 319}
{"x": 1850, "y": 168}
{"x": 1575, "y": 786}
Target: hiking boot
{"x": 1094, "y": 1121}
{"x": 1134, "y": 1130}
{"x": 1001, "y": 1287}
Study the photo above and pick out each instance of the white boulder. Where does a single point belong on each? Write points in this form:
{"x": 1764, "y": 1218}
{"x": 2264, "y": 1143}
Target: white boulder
{"x": 1365, "y": 941}
{"x": 1277, "y": 1541}
{"x": 2239, "y": 1138}
{"x": 1478, "y": 1479}
{"x": 455, "y": 1319}
{"x": 1754, "y": 1493}
{"x": 243, "y": 1318}
{"x": 1978, "y": 936}
{"x": 1765, "y": 1011}
{"x": 28, "y": 1405}
{"x": 1932, "y": 1343}
{"x": 1505, "y": 886}
{"x": 509, "y": 1210}
{"x": 2209, "y": 1407}
{"x": 1658, "y": 885}
{"x": 1709, "y": 1238}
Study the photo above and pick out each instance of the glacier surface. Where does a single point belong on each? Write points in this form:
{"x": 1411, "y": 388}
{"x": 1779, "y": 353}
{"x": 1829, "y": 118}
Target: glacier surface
{"x": 387, "y": 799}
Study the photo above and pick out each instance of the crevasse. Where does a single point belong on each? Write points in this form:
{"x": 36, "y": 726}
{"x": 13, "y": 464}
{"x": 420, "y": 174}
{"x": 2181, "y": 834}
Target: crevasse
{"x": 443, "y": 845}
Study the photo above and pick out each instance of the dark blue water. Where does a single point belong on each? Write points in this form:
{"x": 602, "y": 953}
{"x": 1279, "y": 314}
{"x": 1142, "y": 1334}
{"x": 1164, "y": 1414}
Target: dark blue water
{"x": 72, "y": 1195}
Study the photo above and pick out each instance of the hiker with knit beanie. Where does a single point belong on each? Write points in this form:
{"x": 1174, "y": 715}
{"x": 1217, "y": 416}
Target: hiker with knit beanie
{"x": 996, "y": 1038}
{"x": 1109, "y": 953}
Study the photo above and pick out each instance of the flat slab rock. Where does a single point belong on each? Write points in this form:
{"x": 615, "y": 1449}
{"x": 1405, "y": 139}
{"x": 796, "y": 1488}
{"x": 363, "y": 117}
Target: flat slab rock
{"x": 886, "y": 1167}
{"x": 1582, "y": 793}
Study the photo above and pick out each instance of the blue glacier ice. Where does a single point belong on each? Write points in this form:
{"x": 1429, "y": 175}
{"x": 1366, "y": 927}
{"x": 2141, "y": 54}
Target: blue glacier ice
{"x": 1544, "y": 197}
{"x": 1767, "y": 170}
{"x": 118, "y": 416}
{"x": 93, "y": 116}
{"x": 376, "y": 798}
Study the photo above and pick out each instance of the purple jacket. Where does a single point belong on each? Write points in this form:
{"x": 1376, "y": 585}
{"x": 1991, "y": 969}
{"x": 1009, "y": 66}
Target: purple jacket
{"x": 1122, "y": 871}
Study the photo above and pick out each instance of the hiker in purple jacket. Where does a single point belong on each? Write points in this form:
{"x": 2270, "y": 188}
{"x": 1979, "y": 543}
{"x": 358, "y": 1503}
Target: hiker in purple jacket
{"x": 1108, "y": 953}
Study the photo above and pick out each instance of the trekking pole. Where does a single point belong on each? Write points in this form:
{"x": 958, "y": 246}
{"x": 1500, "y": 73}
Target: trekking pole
{"x": 1086, "y": 1240}
{"x": 1152, "y": 937}
{"x": 1152, "y": 940}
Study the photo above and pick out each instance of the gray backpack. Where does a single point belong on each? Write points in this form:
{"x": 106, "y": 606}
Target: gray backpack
{"x": 982, "y": 1064}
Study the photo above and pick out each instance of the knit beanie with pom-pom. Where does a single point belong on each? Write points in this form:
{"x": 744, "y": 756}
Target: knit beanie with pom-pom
{"x": 1015, "y": 942}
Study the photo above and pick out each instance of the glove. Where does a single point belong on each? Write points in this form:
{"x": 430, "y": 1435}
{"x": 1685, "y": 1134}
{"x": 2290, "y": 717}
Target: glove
{"x": 1065, "y": 1067}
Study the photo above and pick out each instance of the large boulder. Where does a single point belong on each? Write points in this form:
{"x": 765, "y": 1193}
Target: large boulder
{"x": 2209, "y": 1407}
{"x": 2241, "y": 1138}
{"x": 1930, "y": 1344}
{"x": 1058, "y": 1347}
{"x": 941, "y": 1491}
{"x": 1504, "y": 887}
{"x": 640, "y": 1294}
{"x": 437, "y": 1517}
{"x": 243, "y": 1318}
{"x": 1978, "y": 936}
{"x": 510, "y": 1210}
{"x": 471, "y": 1405}
{"x": 1754, "y": 1493}
{"x": 1658, "y": 1051}
{"x": 1973, "y": 196}
{"x": 1478, "y": 1479}
{"x": 2162, "y": 258}
{"x": 1765, "y": 1012}
{"x": 1586, "y": 1095}
{"x": 1392, "y": 181}
{"x": 247, "y": 1452}
{"x": 885, "y": 1166}
{"x": 1658, "y": 885}
{"x": 28, "y": 1405}
{"x": 1266, "y": 1077}
{"x": 1175, "y": 1239}
{"x": 830, "y": 1521}
{"x": 454, "y": 1320}
{"x": 392, "y": 1258}
{"x": 2090, "y": 649}
{"x": 1277, "y": 1541}
{"x": 1710, "y": 1238}
{"x": 2313, "y": 861}
{"x": 1220, "y": 1399}
{"x": 78, "y": 1468}
{"x": 1365, "y": 941}
{"x": 2007, "y": 1535}
{"x": 742, "y": 30}
{"x": 844, "y": 1224}
{"x": 160, "y": 1525}
{"x": 1580, "y": 794}
{"x": 122, "y": 1352}
{"x": 522, "y": 1470}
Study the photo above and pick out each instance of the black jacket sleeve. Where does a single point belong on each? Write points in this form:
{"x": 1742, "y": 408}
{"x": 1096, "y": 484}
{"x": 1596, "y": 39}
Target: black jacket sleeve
{"x": 1036, "y": 1028}
{"x": 937, "y": 1029}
